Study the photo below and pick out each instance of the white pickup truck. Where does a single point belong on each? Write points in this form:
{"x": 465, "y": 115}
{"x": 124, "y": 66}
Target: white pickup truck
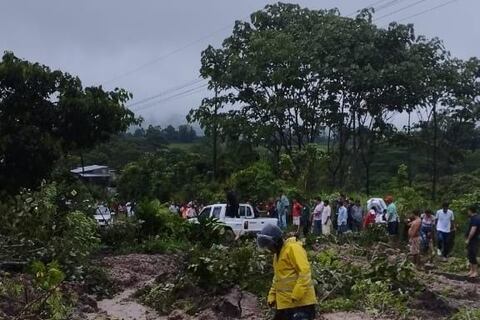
{"x": 246, "y": 223}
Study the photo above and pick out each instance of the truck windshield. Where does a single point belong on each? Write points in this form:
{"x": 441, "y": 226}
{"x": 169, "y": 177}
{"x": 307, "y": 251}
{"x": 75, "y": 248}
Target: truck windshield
{"x": 205, "y": 213}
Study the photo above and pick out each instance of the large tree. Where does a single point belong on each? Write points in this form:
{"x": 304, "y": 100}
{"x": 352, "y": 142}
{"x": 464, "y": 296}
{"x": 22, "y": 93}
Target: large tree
{"x": 45, "y": 114}
{"x": 292, "y": 72}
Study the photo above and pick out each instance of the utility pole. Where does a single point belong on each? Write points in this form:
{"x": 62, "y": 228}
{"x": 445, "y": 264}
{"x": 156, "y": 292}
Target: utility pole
{"x": 215, "y": 133}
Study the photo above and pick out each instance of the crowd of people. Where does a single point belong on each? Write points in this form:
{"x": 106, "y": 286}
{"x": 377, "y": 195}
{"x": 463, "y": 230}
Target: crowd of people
{"x": 321, "y": 217}
{"x": 186, "y": 210}
{"x": 428, "y": 232}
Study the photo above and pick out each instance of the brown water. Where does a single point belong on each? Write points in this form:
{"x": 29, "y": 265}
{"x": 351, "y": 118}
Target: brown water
{"x": 123, "y": 306}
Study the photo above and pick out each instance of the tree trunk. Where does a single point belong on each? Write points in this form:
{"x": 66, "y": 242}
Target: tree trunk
{"x": 435, "y": 155}
{"x": 409, "y": 151}
{"x": 82, "y": 162}
{"x": 367, "y": 178}
{"x": 215, "y": 134}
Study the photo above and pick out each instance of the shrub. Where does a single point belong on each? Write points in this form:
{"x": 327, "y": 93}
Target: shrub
{"x": 466, "y": 314}
{"x": 344, "y": 286}
{"x": 460, "y": 206}
{"x": 408, "y": 199}
{"x": 378, "y": 297}
{"x": 78, "y": 240}
{"x": 373, "y": 234}
{"x": 207, "y": 232}
{"x": 211, "y": 271}
{"x": 156, "y": 220}
{"x": 221, "y": 267}
{"x": 33, "y": 227}
{"x": 36, "y": 296}
{"x": 330, "y": 275}
{"x": 256, "y": 182}
{"x": 337, "y": 304}
{"x": 98, "y": 282}
{"x": 121, "y": 233}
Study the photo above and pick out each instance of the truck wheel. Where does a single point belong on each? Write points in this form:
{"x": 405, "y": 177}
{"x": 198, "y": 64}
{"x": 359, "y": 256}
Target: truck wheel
{"x": 228, "y": 236}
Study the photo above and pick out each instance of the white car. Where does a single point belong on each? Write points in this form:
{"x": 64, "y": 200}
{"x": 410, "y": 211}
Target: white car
{"x": 103, "y": 215}
{"x": 379, "y": 205}
{"x": 246, "y": 223}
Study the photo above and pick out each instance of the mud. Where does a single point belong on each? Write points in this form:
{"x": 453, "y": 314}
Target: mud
{"x": 444, "y": 295}
{"x": 349, "y": 316}
{"x": 132, "y": 272}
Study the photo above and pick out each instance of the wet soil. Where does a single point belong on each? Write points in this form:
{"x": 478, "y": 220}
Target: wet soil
{"x": 444, "y": 295}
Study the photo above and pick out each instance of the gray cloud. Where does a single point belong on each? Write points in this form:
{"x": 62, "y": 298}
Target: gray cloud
{"x": 100, "y": 40}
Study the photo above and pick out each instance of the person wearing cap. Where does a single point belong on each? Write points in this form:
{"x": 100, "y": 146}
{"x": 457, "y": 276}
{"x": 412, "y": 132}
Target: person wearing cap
{"x": 392, "y": 216}
{"x": 292, "y": 293}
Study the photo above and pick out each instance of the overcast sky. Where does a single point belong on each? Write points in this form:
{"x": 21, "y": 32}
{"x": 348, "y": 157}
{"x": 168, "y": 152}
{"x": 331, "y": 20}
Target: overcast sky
{"x": 151, "y": 46}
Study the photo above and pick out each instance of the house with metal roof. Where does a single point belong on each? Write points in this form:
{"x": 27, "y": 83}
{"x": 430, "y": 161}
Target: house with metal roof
{"x": 95, "y": 173}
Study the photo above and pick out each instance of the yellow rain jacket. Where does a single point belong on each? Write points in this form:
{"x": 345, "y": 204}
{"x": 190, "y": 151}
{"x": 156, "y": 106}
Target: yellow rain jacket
{"x": 292, "y": 284}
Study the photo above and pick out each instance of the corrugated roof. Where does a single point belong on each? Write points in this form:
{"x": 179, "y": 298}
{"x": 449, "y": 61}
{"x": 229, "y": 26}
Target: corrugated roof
{"x": 88, "y": 168}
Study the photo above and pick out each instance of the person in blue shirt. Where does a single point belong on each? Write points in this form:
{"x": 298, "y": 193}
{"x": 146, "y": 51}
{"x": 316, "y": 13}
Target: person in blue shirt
{"x": 342, "y": 217}
{"x": 392, "y": 216}
{"x": 472, "y": 240}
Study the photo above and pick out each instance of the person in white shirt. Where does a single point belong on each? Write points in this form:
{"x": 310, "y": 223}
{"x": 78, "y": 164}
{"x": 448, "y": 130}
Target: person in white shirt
{"x": 444, "y": 218}
{"x": 173, "y": 208}
{"x": 317, "y": 217}
{"x": 326, "y": 218}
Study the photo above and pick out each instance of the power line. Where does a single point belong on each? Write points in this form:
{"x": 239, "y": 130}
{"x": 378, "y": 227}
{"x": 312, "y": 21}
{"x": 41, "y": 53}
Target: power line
{"x": 189, "y": 44}
{"x": 388, "y": 5}
{"x": 428, "y": 10}
{"x": 401, "y": 9}
{"x": 168, "y": 54}
{"x": 173, "y": 97}
{"x": 166, "y": 92}
{"x": 367, "y": 6}
{"x": 197, "y": 89}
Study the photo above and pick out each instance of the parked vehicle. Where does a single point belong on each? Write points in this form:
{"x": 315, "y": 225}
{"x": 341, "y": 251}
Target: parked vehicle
{"x": 246, "y": 222}
{"x": 380, "y": 206}
{"x": 103, "y": 215}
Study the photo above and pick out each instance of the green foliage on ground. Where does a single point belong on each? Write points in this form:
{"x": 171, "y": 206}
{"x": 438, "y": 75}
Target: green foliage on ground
{"x": 466, "y": 314}
{"x": 208, "y": 231}
{"x": 97, "y": 282}
{"x": 376, "y": 286}
{"x": 34, "y": 226}
{"x": 221, "y": 268}
{"x": 36, "y": 297}
{"x": 156, "y": 220}
{"x": 212, "y": 271}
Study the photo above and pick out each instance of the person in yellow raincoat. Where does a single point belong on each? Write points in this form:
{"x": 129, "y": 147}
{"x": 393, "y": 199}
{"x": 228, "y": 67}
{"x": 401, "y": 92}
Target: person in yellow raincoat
{"x": 292, "y": 293}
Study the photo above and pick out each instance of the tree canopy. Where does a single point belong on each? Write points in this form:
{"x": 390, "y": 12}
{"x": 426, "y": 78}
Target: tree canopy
{"x": 45, "y": 114}
{"x": 292, "y": 74}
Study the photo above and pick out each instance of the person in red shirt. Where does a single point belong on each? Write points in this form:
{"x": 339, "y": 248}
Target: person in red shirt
{"x": 369, "y": 218}
{"x": 297, "y": 213}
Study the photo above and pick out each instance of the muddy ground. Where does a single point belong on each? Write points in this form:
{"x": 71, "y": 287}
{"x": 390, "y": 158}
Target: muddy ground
{"x": 445, "y": 294}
